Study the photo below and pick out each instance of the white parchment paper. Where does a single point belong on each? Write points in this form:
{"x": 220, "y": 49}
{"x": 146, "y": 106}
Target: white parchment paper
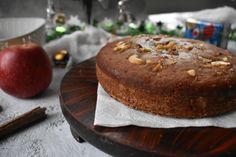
{"x": 111, "y": 113}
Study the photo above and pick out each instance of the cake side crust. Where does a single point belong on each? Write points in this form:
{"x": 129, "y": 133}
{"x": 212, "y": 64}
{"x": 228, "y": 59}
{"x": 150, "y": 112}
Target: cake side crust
{"x": 171, "y": 105}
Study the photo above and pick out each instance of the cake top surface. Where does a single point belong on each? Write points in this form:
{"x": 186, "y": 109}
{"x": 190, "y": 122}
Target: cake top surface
{"x": 169, "y": 62}
{"x": 165, "y": 51}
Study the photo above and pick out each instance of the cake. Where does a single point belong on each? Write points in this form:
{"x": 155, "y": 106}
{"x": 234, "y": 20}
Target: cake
{"x": 169, "y": 76}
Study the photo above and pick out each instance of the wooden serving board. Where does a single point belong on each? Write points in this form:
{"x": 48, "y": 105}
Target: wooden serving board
{"x": 78, "y": 94}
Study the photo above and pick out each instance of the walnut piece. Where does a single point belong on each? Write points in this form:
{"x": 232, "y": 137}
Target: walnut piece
{"x": 135, "y": 60}
{"x": 220, "y": 63}
{"x": 170, "y": 61}
{"x": 157, "y": 67}
{"x": 145, "y": 50}
{"x": 170, "y": 45}
{"x": 165, "y": 46}
{"x": 188, "y": 47}
{"x": 160, "y": 46}
{"x": 204, "y": 60}
{"x": 225, "y": 59}
{"x": 121, "y": 46}
{"x": 149, "y": 61}
{"x": 192, "y": 72}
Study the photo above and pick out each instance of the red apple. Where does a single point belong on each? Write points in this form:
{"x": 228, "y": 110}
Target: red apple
{"x": 25, "y": 70}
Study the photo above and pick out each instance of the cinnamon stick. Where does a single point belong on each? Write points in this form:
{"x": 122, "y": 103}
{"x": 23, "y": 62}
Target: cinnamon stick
{"x": 22, "y": 121}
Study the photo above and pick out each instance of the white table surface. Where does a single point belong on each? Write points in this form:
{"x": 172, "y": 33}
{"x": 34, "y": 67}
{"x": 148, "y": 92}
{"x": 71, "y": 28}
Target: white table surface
{"x": 49, "y": 138}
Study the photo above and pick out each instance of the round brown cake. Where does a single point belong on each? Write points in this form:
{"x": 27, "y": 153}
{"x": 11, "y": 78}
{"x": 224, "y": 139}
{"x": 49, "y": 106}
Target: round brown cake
{"x": 169, "y": 76}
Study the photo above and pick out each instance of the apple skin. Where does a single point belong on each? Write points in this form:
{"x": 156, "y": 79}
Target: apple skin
{"x": 25, "y": 70}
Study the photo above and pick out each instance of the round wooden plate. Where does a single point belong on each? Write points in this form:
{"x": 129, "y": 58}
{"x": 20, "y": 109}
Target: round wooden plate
{"x": 78, "y": 94}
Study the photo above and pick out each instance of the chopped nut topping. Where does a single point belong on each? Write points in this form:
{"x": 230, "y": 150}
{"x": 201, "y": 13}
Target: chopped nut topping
{"x": 192, "y": 72}
{"x": 219, "y": 63}
{"x": 170, "y": 45}
{"x": 188, "y": 47}
{"x": 145, "y": 50}
{"x": 225, "y": 59}
{"x": 170, "y": 61}
{"x": 204, "y": 60}
{"x": 135, "y": 60}
{"x": 157, "y": 67}
{"x": 120, "y": 43}
{"x": 219, "y": 73}
{"x": 160, "y": 46}
{"x": 121, "y": 46}
{"x": 116, "y": 49}
{"x": 201, "y": 45}
{"x": 148, "y": 61}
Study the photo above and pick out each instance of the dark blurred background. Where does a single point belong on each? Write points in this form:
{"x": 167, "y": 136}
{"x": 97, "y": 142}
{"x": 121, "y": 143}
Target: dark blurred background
{"x": 140, "y": 8}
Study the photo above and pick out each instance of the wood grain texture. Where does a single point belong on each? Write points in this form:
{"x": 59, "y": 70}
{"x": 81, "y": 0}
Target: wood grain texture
{"x": 78, "y": 94}
{"x": 22, "y": 121}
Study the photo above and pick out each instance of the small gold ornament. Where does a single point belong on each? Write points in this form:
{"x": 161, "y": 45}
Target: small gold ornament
{"x": 60, "y": 18}
{"x": 61, "y": 58}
